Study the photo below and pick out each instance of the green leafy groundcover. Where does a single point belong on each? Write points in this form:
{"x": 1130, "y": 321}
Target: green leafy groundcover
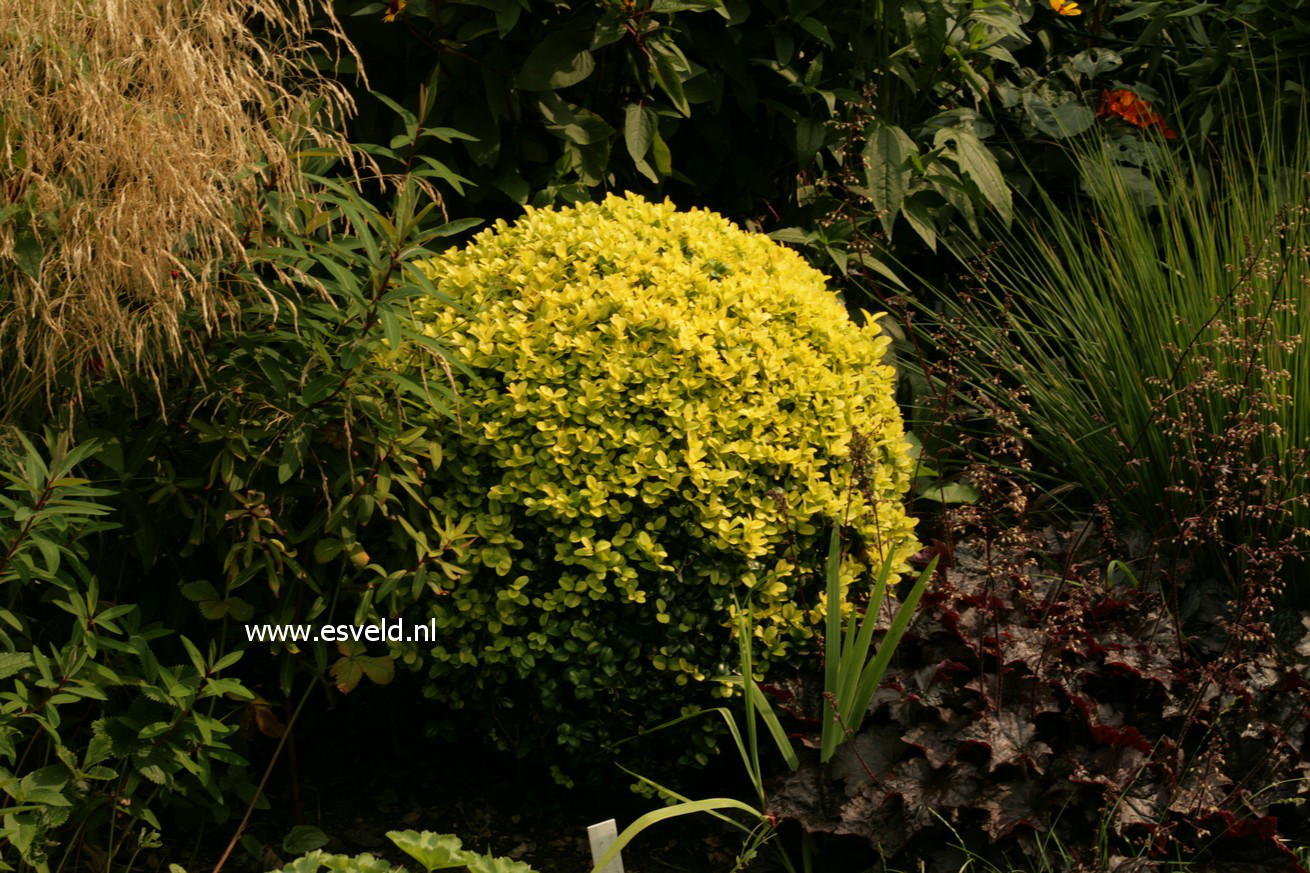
{"x": 431, "y": 851}
{"x": 656, "y": 420}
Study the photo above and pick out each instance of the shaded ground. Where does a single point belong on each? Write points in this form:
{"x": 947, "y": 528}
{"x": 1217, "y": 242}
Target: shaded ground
{"x": 367, "y": 770}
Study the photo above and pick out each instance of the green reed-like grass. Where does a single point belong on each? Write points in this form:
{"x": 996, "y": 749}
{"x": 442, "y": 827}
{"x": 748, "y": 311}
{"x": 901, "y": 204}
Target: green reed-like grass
{"x": 1107, "y": 310}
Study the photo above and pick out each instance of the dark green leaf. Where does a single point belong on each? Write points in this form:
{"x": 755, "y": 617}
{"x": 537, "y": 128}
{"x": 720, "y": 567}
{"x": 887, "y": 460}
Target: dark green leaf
{"x": 978, "y": 163}
{"x": 639, "y": 124}
{"x": 558, "y": 61}
{"x": 810, "y": 136}
{"x": 28, "y": 254}
{"x": 302, "y": 839}
{"x": 319, "y": 388}
{"x": 887, "y": 170}
{"x": 611, "y": 28}
{"x": 1058, "y": 120}
{"x": 666, "y": 67}
{"x": 921, "y": 219}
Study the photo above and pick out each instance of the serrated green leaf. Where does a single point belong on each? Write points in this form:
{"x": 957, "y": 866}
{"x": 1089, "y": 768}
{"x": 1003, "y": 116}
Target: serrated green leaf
{"x": 239, "y": 609}
{"x": 13, "y": 662}
{"x": 488, "y": 864}
{"x": 198, "y": 591}
{"x": 433, "y": 851}
{"x": 347, "y": 672}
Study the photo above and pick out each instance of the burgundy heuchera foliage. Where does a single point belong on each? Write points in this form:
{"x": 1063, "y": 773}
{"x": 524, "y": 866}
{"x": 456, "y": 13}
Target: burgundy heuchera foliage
{"x": 1022, "y": 709}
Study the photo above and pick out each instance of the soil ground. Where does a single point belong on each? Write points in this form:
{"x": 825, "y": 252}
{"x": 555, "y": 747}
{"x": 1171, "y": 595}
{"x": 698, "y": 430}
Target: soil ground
{"x": 367, "y": 770}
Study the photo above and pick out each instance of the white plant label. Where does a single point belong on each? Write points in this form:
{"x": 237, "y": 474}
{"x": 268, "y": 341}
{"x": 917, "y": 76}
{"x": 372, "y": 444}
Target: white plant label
{"x": 603, "y": 836}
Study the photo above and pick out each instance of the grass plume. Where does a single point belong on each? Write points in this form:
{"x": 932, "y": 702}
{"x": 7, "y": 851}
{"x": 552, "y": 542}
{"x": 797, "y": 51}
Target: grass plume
{"x": 136, "y": 142}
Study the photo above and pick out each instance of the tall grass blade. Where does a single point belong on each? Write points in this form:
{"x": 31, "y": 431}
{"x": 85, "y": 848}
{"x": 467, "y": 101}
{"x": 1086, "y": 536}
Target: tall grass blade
{"x": 659, "y": 815}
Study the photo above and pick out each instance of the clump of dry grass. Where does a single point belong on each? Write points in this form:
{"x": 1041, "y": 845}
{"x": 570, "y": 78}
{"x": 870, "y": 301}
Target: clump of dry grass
{"x": 137, "y": 138}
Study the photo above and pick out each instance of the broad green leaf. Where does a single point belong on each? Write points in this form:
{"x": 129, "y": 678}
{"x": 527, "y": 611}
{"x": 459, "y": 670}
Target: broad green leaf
{"x": 663, "y": 157}
{"x": 13, "y": 662}
{"x": 638, "y": 130}
{"x": 347, "y": 672}
{"x": 237, "y": 608}
{"x": 451, "y": 228}
{"x": 558, "y": 61}
{"x": 44, "y": 786}
{"x": 887, "y": 170}
{"x": 811, "y": 134}
{"x": 311, "y": 863}
{"x": 817, "y": 29}
{"x": 978, "y": 163}
{"x": 28, "y": 254}
{"x": 302, "y": 839}
{"x": 507, "y": 15}
{"x": 793, "y": 235}
{"x": 320, "y": 388}
{"x": 327, "y": 548}
{"x": 612, "y": 27}
{"x": 927, "y": 24}
{"x": 882, "y": 269}
{"x": 947, "y": 492}
{"x": 1105, "y": 182}
{"x": 1059, "y": 120}
{"x": 433, "y": 851}
{"x": 574, "y": 123}
{"x": 381, "y": 669}
{"x": 666, "y": 68}
{"x": 1093, "y": 62}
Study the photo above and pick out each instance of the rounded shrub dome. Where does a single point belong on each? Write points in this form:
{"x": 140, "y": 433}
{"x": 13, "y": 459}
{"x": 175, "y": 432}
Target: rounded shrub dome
{"x": 657, "y": 411}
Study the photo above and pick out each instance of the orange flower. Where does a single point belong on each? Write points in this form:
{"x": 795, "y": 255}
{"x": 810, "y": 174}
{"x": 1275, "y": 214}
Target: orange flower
{"x": 1122, "y": 103}
{"x": 1065, "y": 7}
{"x": 394, "y": 8}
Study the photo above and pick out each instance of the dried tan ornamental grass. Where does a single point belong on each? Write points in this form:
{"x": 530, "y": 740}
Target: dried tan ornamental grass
{"x": 130, "y": 131}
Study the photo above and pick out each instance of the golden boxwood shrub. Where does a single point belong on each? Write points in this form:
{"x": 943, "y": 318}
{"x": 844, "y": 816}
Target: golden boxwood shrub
{"x": 643, "y": 385}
